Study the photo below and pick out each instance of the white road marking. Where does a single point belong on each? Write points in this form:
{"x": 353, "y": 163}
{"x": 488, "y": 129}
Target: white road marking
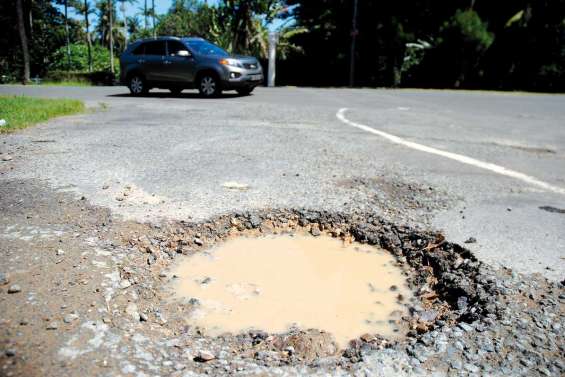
{"x": 454, "y": 156}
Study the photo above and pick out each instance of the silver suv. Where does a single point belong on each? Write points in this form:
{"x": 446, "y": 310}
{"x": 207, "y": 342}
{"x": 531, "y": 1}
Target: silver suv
{"x": 182, "y": 63}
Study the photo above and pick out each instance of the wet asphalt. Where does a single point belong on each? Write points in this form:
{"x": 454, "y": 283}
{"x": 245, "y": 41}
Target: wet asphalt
{"x": 187, "y": 158}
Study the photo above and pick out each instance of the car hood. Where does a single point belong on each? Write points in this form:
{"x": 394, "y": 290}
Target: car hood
{"x": 245, "y": 59}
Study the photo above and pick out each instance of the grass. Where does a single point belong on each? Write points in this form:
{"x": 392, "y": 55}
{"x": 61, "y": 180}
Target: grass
{"x": 66, "y": 83}
{"x": 21, "y": 111}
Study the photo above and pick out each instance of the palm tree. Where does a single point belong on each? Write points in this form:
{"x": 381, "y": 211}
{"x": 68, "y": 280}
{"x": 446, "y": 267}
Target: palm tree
{"x": 86, "y": 10}
{"x": 88, "y": 39}
{"x": 123, "y": 9}
{"x": 133, "y": 25}
{"x": 145, "y": 14}
{"x": 23, "y": 39}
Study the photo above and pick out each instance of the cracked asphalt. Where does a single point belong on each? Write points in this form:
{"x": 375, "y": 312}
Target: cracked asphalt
{"x": 187, "y": 158}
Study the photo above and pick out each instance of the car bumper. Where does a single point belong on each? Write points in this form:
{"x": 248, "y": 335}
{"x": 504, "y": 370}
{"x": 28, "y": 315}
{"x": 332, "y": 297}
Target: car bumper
{"x": 241, "y": 78}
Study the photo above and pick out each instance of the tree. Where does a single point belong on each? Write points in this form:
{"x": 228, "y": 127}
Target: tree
{"x": 84, "y": 8}
{"x": 463, "y": 41}
{"x": 23, "y": 39}
{"x": 125, "y": 19}
{"x": 104, "y": 27}
{"x": 67, "y": 31}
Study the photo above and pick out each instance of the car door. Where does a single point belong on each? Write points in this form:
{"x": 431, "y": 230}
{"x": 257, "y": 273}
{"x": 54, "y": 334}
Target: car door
{"x": 154, "y": 56}
{"x": 179, "y": 69}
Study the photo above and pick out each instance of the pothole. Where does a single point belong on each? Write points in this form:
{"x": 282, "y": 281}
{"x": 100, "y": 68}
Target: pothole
{"x": 277, "y": 283}
{"x": 446, "y": 285}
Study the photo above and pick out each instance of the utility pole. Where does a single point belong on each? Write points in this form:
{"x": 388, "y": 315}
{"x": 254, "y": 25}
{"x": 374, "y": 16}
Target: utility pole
{"x": 273, "y": 39}
{"x": 354, "y": 33}
{"x": 111, "y": 26}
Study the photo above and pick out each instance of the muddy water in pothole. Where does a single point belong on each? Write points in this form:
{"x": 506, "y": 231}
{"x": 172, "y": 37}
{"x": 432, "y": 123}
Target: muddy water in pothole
{"x": 273, "y": 283}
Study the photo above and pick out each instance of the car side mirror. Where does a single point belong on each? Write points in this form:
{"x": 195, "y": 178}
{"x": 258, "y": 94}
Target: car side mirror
{"x": 183, "y": 53}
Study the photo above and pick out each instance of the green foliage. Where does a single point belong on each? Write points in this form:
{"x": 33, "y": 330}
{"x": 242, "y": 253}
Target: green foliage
{"x": 194, "y": 20}
{"x": 46, "y": 35}
{"x": 21, "y": 111}
{"x": 238, "y": 26}
{"x": 79, "y": 58}
{"x": 467, "y": 30}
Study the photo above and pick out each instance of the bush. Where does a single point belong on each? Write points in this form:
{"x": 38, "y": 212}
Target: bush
{"x": 79, "y": 59}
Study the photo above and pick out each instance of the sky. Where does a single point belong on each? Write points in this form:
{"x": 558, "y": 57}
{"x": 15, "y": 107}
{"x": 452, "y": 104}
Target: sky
{"x": 161, "y": 7}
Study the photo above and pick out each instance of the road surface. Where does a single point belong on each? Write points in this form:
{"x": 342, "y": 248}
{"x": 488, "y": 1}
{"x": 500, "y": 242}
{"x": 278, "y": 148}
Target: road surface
{"x": 188, "y": 158}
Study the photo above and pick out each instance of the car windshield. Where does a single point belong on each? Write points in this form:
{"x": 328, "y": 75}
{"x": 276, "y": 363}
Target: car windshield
{"x": 206, "y": 48}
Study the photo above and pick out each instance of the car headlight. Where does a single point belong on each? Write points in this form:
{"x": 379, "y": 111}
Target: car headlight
{"x": 231, "y": 62}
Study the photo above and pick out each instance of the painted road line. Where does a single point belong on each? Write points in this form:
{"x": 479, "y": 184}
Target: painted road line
{"x": 453, "y": 156}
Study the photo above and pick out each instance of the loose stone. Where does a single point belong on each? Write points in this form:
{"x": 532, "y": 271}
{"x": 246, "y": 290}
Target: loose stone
{"x": 14, "y": 289}
{"x": 70, "y": 318}
{"x": 204, "y": 356}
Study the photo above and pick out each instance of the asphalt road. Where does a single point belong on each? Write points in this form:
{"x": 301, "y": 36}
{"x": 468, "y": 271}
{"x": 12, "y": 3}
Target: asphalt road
{"x": 190, "y": 158}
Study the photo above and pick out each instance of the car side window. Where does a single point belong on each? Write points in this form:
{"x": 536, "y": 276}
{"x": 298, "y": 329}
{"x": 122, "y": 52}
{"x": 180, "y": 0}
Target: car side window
{"x": 155, "y": 48}
{"x": 174, "y": 47}
{"x": 139, "y": 50}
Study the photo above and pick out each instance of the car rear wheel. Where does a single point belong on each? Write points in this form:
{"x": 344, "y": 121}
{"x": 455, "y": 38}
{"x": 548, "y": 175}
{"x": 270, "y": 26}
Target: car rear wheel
{"x": 209, "y": 86}
{"x": 137, "y": 85}
{"x": 244, "y": 91}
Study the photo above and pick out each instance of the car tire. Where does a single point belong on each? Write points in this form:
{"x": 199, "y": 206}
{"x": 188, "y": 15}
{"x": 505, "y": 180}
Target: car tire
{"x": 176, "y": 91}
{"x": 209, "y": 85}
{"x": 137, "y": 85}
{"x": 244, "y": 91}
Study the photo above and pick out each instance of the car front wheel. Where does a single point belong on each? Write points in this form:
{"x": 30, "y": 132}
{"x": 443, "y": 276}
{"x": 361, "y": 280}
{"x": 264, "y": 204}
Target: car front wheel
{"x": 209, "y": 86}
{"x": 137, "y": 85}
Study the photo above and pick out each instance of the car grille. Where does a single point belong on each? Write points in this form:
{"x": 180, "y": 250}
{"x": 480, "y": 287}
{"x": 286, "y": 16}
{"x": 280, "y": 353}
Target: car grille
{"x": 250, "y": 65}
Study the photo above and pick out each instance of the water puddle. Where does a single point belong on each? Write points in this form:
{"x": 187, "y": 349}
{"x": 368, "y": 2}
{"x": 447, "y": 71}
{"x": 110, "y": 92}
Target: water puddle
{"x": 277, "y": 282}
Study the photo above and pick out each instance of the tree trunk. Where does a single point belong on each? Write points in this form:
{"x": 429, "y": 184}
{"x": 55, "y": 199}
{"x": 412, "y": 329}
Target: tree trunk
{"x": 67, "y": 37}
{"x": 88, "y": 41}
{"x": 23, "y": 39}
{"x": 153, "y": 17}
{"x": 110, "y": 29}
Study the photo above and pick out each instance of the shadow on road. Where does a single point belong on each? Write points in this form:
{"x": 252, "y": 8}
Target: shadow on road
{"x": 182, "y": 95}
